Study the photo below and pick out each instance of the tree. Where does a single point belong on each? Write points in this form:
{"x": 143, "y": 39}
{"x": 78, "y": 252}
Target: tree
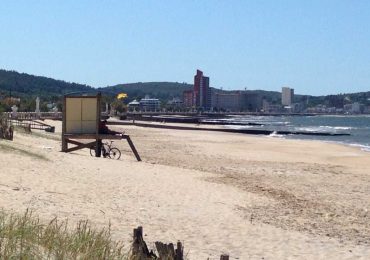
{"x": 119, "y": 106}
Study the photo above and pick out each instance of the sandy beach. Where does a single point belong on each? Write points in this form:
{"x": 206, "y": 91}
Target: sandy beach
{"x": 252, "y": 197}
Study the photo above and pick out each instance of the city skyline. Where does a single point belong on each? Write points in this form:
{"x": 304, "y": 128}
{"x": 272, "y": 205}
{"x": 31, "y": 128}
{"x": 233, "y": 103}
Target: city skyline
{"x": 317, "y": 48}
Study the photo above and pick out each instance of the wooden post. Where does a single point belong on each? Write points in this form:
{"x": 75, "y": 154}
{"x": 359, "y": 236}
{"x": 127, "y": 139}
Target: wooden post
{"x": 64, "y": 141}
{"x": 132, "y": 146}
{"x": 139, "y": 247}
{"x": 11, "y": 131}
{"x": 98, "y": 146}
{"x": 179, "y": 251}
{"x": 138, "y": 234}
{"x": 224, "y": 257}
{"x": 98, "y": 141}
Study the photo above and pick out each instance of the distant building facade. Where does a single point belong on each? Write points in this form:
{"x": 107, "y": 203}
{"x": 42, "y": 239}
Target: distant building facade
{"x": 227, "y": 101}
{"x": 287, "y": 96}
{"x": 267, "y": 107}
{"x": 237, "y": 101}
{"x": 251, "y": 102}
{"x": 202, "y": 92}
{"x": 133, "y": 105}
{"x": 354, "y": 108}
{"x": 174, "y": 104}
{"x": 150, "y": 104}
{"x": 188, "y": 98}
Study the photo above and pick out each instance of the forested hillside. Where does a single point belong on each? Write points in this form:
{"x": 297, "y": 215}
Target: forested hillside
{"x": 22, "y": 84}
{"x": 28, "y": 87}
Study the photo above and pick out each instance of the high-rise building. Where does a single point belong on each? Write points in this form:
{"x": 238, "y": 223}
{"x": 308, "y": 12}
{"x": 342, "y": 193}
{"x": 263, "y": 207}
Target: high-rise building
{"x": 202, "y": 92}
{"x": 287, "y": 96}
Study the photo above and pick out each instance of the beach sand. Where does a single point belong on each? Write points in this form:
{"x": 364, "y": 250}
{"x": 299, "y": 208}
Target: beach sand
{"x": 252, "y": 197}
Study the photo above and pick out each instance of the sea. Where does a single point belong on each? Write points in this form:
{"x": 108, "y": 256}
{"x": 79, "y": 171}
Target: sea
{"x": 358, "y": 126}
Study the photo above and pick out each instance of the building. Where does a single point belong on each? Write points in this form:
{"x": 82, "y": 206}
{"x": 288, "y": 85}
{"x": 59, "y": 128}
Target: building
{"x": 188, "y": 98}
{"x": 133, "y": 105}
{"x": 227, "y": 101}
{"x": 267, "y": 107}
{"x": 150, "y": 104}
{"x": 251, "y": 102}
{"x": 354, "y": 108}
{"x": 175, "y": 104}
{"x": 202, "y": 92}
{"x": 287, "y": 96}
{"x": 236, "y": 101}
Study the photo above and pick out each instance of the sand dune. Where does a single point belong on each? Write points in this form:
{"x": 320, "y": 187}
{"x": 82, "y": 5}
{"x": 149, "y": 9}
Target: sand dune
{"x": 250, "y": 197}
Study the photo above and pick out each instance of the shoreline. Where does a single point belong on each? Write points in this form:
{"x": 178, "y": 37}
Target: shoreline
{"x": 186, "y": 127}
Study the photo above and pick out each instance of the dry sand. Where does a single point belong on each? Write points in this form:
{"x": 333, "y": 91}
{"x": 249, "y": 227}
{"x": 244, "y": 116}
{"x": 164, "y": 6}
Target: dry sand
{"x": 250, "y": 197}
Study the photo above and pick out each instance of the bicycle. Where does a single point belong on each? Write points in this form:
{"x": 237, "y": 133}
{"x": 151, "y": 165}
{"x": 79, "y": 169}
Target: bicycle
{"x": 107, "y": 151}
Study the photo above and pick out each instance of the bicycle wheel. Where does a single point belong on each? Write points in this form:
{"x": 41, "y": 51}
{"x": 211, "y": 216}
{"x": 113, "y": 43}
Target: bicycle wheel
{"x": 114, "y": 153}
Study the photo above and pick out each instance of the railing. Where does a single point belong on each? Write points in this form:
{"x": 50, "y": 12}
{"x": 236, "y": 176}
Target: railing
{"x": 33, "y": 115}
{"x": 31, "y": 124}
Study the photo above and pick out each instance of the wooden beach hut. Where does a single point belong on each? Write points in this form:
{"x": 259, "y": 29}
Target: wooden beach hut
{"x": 81, "y": 119}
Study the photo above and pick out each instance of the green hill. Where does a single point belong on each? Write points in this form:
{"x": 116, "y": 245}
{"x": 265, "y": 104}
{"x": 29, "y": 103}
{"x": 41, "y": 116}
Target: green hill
{"x": 28, "y": 87}
{"x": 25, "y": 85}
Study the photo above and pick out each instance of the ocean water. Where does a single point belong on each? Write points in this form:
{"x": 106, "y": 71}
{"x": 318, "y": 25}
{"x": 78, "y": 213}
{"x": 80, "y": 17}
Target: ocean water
{"x": 357, "y": 126}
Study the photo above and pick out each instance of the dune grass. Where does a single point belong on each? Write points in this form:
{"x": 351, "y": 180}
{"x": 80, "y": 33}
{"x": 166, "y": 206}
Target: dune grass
{"x": 25, "y": 237}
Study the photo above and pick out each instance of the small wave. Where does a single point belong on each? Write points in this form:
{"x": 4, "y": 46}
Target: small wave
{"x": 363, "y": 147}
{"x": 239, "y": 127}
{"x": 310, "y": 129}
{"x": 343, "y": 127}
{"x": 323, "y": 128}
{"x": 274, "y": 134}
{"x": 336, "y": 127}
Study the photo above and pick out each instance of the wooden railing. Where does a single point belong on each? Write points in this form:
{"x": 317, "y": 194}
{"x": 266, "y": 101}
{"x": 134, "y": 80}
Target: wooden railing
{"x": 33, "y": 115}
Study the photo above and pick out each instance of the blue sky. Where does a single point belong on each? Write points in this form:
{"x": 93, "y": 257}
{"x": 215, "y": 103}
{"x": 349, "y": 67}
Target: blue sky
{"x": 315, "y": 47}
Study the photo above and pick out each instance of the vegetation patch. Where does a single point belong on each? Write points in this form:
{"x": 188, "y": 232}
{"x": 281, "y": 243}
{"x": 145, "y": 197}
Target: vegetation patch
{"x": 25, "y": 237}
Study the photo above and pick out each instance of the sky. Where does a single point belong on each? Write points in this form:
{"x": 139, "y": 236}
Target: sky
{"x": 316, "y": 47}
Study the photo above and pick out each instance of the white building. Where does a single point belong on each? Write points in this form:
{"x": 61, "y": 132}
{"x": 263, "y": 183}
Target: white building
{"x": 133, "y": 105}
{"x": 150, "y": 104}
{"x": 287, "y": 96}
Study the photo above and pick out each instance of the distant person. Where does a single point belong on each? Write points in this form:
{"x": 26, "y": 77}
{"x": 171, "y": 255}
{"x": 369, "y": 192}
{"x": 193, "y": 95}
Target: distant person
{"x": 103, "y": 129}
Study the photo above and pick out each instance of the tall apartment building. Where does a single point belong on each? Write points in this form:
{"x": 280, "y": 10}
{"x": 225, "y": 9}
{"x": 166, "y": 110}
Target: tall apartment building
{"x": 202, "y": 92}
{"x": 287, "y": 96}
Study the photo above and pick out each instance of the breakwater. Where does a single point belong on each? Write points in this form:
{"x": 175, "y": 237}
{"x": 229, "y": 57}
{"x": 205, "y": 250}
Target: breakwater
{"x": 227, "y": 130}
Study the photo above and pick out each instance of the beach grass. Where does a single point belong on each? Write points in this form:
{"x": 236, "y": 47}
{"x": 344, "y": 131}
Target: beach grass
{"x": 25, "y": 237}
